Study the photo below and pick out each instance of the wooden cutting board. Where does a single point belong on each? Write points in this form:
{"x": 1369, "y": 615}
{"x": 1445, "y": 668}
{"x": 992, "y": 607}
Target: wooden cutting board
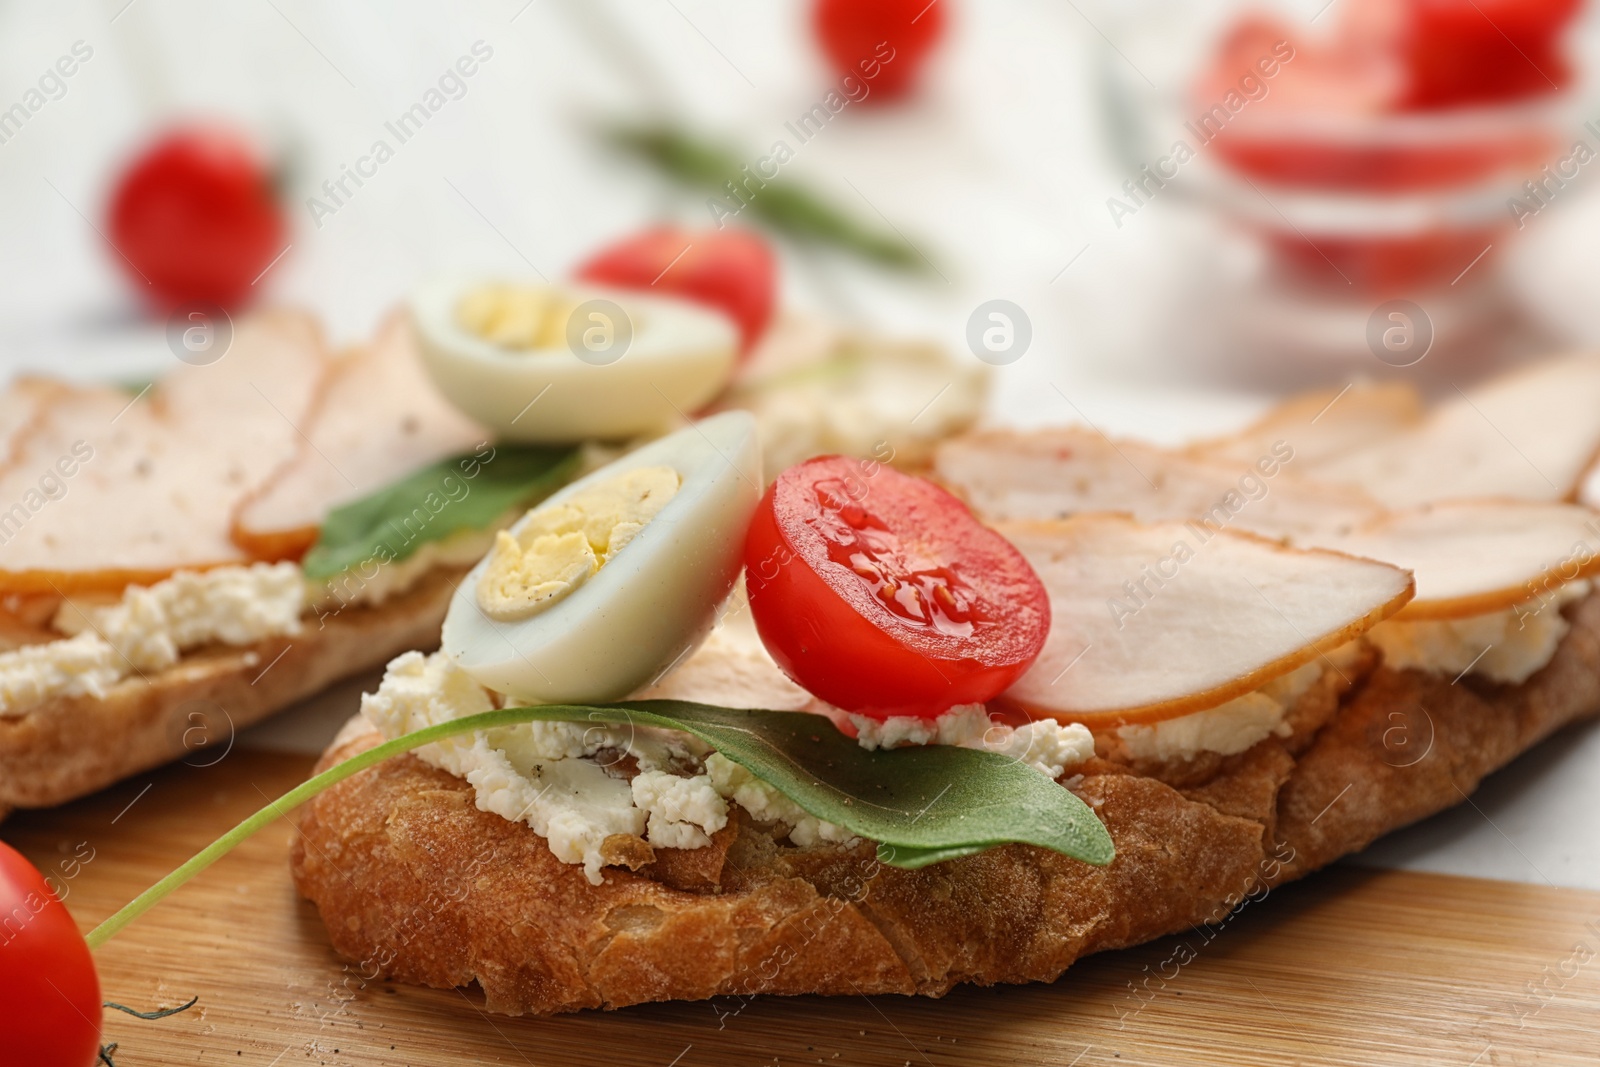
{"x": 1350, "y": 967}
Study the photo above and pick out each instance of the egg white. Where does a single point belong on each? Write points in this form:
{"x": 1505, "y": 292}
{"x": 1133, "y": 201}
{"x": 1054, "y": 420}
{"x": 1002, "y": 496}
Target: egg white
{"x": 646, "y": 608}
{"x": 680, "y": 357}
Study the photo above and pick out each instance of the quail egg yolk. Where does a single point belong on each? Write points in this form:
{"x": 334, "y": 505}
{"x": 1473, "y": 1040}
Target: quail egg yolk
{"x": 557, "y": 548}
{"x": 516, "y": 316}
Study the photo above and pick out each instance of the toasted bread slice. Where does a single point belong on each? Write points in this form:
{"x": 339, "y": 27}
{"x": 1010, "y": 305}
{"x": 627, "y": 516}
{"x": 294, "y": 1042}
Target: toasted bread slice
{"x": 66, "y": 748}
{"x": 429, "y": 889}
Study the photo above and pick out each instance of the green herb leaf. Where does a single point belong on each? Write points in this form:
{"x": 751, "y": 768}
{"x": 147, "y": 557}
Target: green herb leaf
{"x": 466, "y": 492}
{"x": 784, "y": 204}
{"x": 913, "y": 858}
{"x": 923, "y": 805}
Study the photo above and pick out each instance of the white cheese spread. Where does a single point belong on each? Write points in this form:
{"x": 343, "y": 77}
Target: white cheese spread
{"x": 963, "y": 725}
{"x": 1226, "y": 729}
{"x": 78, "y": 666}
{"x": 1231, "y": 727}
{"x": 683, "y": 812}
{"x": 1504, "y": 646}
{"x": 573, "y": 803}
{"x": 149, "y": 628}
{"x": 1049, "y": 747}
{"x": 564, "y": 779}
{"x": 152, "y": 625}
{"x": 766, "y": 805}
{"x": 1046, "y": 745}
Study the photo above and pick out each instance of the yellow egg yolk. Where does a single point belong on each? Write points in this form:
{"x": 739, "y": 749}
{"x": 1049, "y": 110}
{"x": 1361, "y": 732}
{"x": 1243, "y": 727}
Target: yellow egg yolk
{"x": 516, "y": 316}
{"x": 560, "y": 547}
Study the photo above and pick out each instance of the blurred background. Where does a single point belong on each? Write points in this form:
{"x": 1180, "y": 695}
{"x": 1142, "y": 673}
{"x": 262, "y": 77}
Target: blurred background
{"x": 1191, "y": 206}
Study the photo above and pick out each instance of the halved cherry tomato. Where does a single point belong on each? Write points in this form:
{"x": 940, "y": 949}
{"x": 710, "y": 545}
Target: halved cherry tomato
{"x": 1383, "y": 267}
{"x": 731, "y": 271}
{"x": 1461, "y": 52}
{"x": 195, "y": 219}
{"x": 883, "y": 595}
{"x": 1290, "y": 158}
{"x": 883, "y": 43}
{"x": 1319, "y": 121}
{"x": 49, "y": 992}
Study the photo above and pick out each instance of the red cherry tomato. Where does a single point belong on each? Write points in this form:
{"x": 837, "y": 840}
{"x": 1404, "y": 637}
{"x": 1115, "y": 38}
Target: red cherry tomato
{"x": 49, "y": 992}
{"x": 1385, "y": 166}
{"x": 1318, "y": 122}
{"x": 1384, "y": 267}
{"x": 195, "y": 220}
{"x": 880, "y": 593}
{"x": 883, "y": 43}
{"x": 731, "y": 271}
{"x": 1463, "y": 52}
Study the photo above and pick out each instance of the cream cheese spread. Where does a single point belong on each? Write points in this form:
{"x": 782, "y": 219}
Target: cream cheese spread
{"x": 78, "y": 666}
{"x": 1504, "y": 646}
{"x": 566, "y": 779}
{"x": 149, "y": 628}
{"x": 1231, "y": 727}
{"x": 1046, "y": 745}
{"x": 152, "y": 625}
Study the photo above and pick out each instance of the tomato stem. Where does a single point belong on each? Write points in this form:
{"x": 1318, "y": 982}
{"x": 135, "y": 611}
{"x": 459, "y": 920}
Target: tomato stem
{"x": 301, "y": 793}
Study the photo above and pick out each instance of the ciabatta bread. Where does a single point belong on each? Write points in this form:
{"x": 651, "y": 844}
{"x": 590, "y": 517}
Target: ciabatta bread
{"x": 416, "y": 883}
{"x": 67, "y": 747}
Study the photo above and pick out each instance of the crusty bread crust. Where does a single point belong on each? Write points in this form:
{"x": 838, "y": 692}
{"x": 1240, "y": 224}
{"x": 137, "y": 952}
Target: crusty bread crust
{"x": 414, "y": 882}
{"x": 67, "y": 748}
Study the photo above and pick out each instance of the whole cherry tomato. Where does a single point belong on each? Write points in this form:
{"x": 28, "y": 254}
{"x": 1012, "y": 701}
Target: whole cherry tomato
{"x": 195, "y": 218}
{"x": 49, "y": 992}
{"x": 881, "y": 593}
{"x": 885, "y": 43}
{"x": 732, "y": 271}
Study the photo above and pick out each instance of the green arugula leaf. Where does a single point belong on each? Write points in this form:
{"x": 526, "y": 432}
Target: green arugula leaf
{"x": 922, "y": 805}
{"x": 913, "y": 858}
{"x": 466, "y": 492}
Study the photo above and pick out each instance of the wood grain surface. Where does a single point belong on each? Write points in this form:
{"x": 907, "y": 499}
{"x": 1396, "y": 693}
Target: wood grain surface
{"x": 1351, "y": 967}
